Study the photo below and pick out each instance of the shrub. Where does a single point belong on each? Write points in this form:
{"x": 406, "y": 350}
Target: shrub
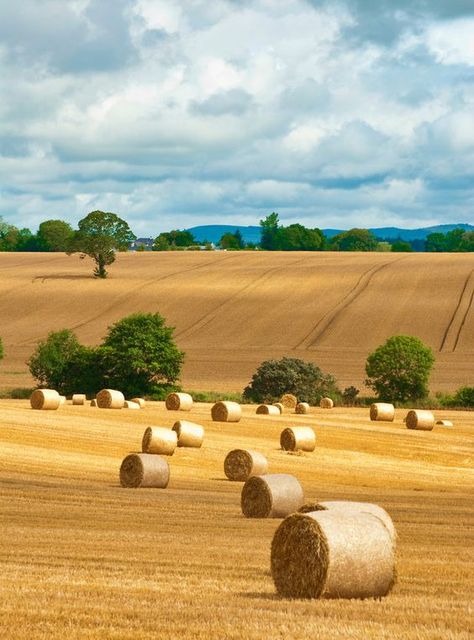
{"x": 305, "y": 380}
{"x": 51, "y": 359}
{"x": 399, "y": 369}
{"x": 464, "y": 397}
{"x": 1, "y": 349}
{"x": 349, "y": 396}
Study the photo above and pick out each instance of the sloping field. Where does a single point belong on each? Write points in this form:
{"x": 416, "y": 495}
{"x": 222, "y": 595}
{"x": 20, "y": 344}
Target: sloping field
{"x": 233, "y": 310}
{"x": 82, "y": 558}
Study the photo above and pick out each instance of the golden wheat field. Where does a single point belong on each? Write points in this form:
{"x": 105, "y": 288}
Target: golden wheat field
{"x": 82, "y": 557}
{"x": 231, "y": 310}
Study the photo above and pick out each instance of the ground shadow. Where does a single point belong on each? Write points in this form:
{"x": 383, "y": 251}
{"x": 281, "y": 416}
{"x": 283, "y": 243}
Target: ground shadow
{"x": 255, "y": 595}
{"x": 63, "y": 277}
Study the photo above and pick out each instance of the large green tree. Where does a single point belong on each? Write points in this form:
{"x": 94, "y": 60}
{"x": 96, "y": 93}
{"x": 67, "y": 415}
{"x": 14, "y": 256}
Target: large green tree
{"x": 100, "y": 236}
{"x": 54, "y": 235}
{"x": 354, "y": 240}
{"x": 296, "y": 237}
{"x": 51, "y": 359}
{"x": 172, "y": 239}
{"x": 269, "y": 231}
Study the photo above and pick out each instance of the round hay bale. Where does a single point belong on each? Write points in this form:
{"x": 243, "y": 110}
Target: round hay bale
{"x": 144, "y": 470}
{"x": 62, "y": 400}
{"x": 93, "y": 402}
{"x": 110, "y": 399}
{"x": 179, "y": 402}
{"x": 268, "y": 410}
{"x": 298, "y": 438}
{"x": 382, "y": 412}
{"x": 189, "y": 434}
{"x": 79, "y": 398}
{"x": 326, "y": 403}
{"x": 289, "y": 401}
{"x": 139, "y": 401}
{"x": 420, "y": 419}
{"x": 226, "y": 411}
{"x": 45, "y": 399}
{"x": 331, "y": 554}
{"x": 444, "y": 423}
{"x": 348, "y": 507}
{"x": 279, "y": 406}
{"x": 302, "y": 407}
{"x": 159, "y": 440}
{"x": 128, "y": 404}
{"x": 241, "y": 464}
{"x": 271, "y": 496}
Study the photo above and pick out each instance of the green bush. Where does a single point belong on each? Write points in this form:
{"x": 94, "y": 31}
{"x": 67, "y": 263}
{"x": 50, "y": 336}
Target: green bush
{"x": 464, "y": 397}
{"x": 1, "y": 349}
{"x": 51, "y": 359}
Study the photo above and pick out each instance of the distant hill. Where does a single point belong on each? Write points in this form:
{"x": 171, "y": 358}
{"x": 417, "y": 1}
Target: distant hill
{"x": 214, "y": 232}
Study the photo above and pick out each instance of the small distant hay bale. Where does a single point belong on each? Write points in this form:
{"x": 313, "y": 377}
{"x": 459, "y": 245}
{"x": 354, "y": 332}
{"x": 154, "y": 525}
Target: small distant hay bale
{"x": 62, "y": 400}
{"x": 128, "y": 404}
{"x": 302, "y": 407}
{"x": 420, "y": 420}
{"x": 298, "y": 438}
{"x": 46, "y": 399}
{"x": 326, "y": 403}
{"x": 271, "y": 496}
{"x": 93, "y": 402}
{"x": 382, "y": 412}
{"x": 226, "y": 411}
{"x": 332, "y": 554}
{"x": 159, "y": 440}
{"x": 241, "y": 464}
{"x": 144, "y": 470}
{"x": 139, "y": 401}
{"x": 179, "y": 402}
{"x": 268, "y": 410}
{"x": 189, "y": 434}
{"x": 110, "y": 399}
{"x": 79, "y": 398}
{"x": 289, "y": 401}
{"x": 279, "y": 406}
{"x": 444, "y": 423}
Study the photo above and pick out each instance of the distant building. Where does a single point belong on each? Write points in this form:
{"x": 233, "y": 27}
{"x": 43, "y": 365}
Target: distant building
{"x": 142, "y": 244}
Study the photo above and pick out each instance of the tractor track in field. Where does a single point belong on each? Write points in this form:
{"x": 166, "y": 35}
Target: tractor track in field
{"x": 453, "y": 331}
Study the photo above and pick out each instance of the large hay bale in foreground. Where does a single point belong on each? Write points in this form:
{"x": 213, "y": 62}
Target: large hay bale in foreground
{"x": 45, "y": 399}
{"x": 348, "y": 506}
{"x": 79, "y": 398}
{"x": 268, "y": 410}
{"x": 128, "y": 404}
{"x": 271, "y": 496}
{"x": 226, "y": 411}
{"x": 144, "y": 470}
{"x": 444, "y": 423}
{"x": 140, "y": 401}
{"x": 420, "y": 419}
{"x": 298, "y": 438}
{"x": 289, "y": 401}
{"x": 326, "y": 403}
{"x": 110, "y": 399}
{"x": 159, "y": 440}
{"x": 331, "y": 554}
{"x": 302, "y": 407}
{"x": 382, "y": 412}
{"x": 279, "y": 406}
{"x": 241, "y": 464}
{"x": 189, "y": 434}
{"x": 179, "y": 402}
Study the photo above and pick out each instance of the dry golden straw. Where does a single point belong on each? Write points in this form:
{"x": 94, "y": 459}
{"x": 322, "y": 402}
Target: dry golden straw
{"x": 279, "y": 406}
{"x": 79, "y": 398}
{"x": 445, "y": 423}
{"x": 159, "y": 440}
{"x": 62, "y": 400}
{"x": 331, "y": 554}
{"x": 226, "y": 411}
{"x": 382, "y": 412}
{"x": 271, "y": 496}
{"x": 241, "y": 464}
{"x": 289, "y": 401}
{"x": 144, "y": 470}
{"x": 268, "y": 410}
{"x": 45, "y": 399}
{"x": 189, "y": 434}
{"x": 128, "y": 404}
{"x": 298, "y": 438}
{"x": 302, "y": 407}
{"x": 420, "y": 419}
{"x": 326, "y": 403}
{"x": 139, "y": 401}
{"x": 93, "y": 402}
{"x": 179, "y": 402}
{"x": 110, "y": 399}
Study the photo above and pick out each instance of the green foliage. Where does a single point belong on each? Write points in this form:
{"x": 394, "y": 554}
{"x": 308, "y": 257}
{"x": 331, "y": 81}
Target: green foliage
{"x": 54, "y": 235}
{"x": 50, "y": 360}
{"x": 456, "y": 240}
{"x": 349, "y": 396}
{"x": 464, "y": 397}
{"x": 384, "y": 246}
{"x": 400, "y": 246}
{"x": 171, "y": 239}
{"x": 13, "y": 239}
{"x": 269, "y": 230}
{"x": 99, "y": 236}
{"x": 232, "y": 240}
{"x": 399, "y": 369}
{"x": 305, "y": 380}
{"x": 295, "y": 237}
{"x": 354, "y": 240}
{"x": 1, "y": 349}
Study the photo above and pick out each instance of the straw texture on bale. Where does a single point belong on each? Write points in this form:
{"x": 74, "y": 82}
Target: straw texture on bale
{"x": 128, "y": 404}
{"x": 348, "y": 507}
{"x": 302, "y": 407}
{"x": 93, "y": 402}
{"x": 110, "y": 399}
{"x": 382, "y": 412}
{"x": 289, "y": 401}
{"x": 139, "y": 401}
{"x": 144, "y": 470}
{"x": 445, "y": 423}
{"x": 420, "y": 419}
{"x": 268, "y": 410}
{"x": 189, "y": 434}
{"x": 331, "y": 554}
{"x": 271, "y": 496}
{"x": 62, "y": 400}
{"x": 298, "y": 438}
{"x": 326, "y": 403}
{"x": 241, "y": 464}
{"x": 159, "y": 440}
{"x": 179, "y": 402}
{"x": 79, "y": 398}
{"x": 45, "y": 399}
{"x": 226, "y": 411}
{"x": 279, "y": 406}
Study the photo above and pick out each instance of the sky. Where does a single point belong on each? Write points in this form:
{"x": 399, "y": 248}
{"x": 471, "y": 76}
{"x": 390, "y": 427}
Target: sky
{"x": 176, "y": 113}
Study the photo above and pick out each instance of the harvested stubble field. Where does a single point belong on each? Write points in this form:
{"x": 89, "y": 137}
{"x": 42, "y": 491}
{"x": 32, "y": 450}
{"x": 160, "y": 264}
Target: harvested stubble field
{"x": 83, "y": 558}
{"x": 232, "y": 310}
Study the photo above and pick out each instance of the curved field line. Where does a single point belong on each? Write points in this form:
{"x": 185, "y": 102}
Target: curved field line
{"x": 451, "y": 336}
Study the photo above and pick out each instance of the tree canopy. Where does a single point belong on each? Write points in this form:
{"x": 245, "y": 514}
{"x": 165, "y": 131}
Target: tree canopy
{"x": 172, "y": 239}
{"x": 295, "y": 237}
{"x": 354, "y": 240}
{"x": 54, "y": 235}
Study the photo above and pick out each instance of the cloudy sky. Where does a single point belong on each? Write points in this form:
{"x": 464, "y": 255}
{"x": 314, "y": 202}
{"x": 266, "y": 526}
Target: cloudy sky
{"x": 173, "y": 113}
